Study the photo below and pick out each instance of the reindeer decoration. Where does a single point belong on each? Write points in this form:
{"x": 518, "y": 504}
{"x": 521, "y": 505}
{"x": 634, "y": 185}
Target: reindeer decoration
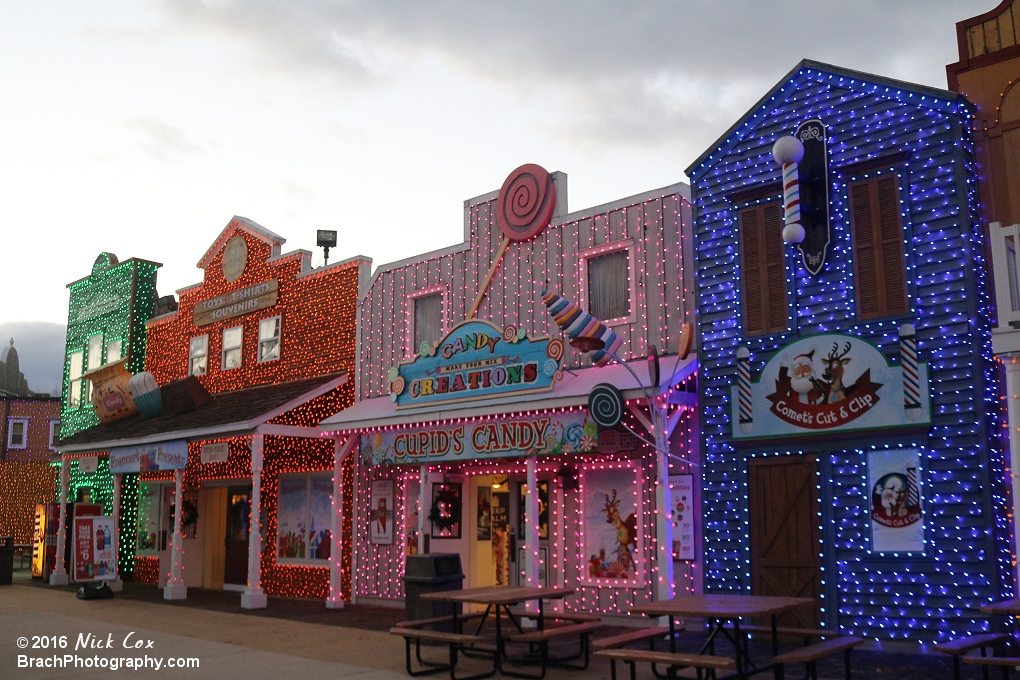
{"x": 626, "y": 530}
{"x": 833, "y": 374}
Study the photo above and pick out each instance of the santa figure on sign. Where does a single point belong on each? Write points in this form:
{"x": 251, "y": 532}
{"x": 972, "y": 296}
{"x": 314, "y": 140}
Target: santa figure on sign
{"x": 803, "y": 380}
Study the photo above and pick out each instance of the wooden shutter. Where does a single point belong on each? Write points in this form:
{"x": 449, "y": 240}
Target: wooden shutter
{"x": 763, "y": 270}
{"x": 879, "y": 265}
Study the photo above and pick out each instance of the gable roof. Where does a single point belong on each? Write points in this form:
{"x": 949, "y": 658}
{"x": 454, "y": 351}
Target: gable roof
{"x": 238, "y": 223}
{"x": 807, "y": 69}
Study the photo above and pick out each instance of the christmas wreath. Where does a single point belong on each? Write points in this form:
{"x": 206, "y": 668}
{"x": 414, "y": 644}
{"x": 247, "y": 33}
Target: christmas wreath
{"x": 189, "y": 513}
{"x": 446, "y": 508}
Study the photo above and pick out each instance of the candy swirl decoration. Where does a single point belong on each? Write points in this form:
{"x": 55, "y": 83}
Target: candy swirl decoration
{"x": 605, "y": 404}
{"x": 526, "y": 202}
{"x": 576, "y": 322}
{"x": 510, "y": 333}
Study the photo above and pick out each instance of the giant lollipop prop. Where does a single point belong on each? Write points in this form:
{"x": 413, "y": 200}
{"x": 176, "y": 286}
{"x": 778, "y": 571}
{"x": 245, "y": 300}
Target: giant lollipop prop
{"x": 577, "y": 323}
{"x": 523, "y": 210}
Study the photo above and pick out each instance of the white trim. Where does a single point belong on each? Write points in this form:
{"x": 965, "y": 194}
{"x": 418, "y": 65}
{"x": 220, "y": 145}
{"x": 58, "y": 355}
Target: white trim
{"x": 54, "y": 421}
{"x": 195, "y": 356}
{"x": 11, "y": 421}
{"x": 289, "y": 431}
{"x": 278, "y": 337}
{"x": 582, "y": 274}
{"x": 238, "y": 223}
{"x": 224, "y": 349}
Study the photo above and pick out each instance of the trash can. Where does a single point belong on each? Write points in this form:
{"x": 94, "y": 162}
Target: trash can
{"x": 6, "y": 560}
{"x": 431, "y": 573}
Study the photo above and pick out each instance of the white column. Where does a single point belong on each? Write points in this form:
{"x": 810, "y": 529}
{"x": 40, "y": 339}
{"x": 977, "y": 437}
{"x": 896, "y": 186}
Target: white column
{"x": 1012, "y": 362}
{"x": 663, "y": 505}
{"x": 58, "y": 577}
{"x": 423, "y": 478}
{"x": 175, "y": 588}
{"x": 531, "y": 527}
{"x": 340, "y": 452}
{"x": 117, "y": 584}
{"x": 253, "y": 597}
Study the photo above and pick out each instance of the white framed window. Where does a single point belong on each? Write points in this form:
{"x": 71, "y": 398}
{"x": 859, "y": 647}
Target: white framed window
{"x": 75, "y": 369}
{"x": 113, "y": 351}
{"x": 425, "y": 316}
{"x": 17, "y": 433}
{"x": 303, "y": 518}
{"x": 607, "y": 282}
{"x": 232, "y": 348}
{"x": 54, "y": 433}
{"x": 269, "y": 339}
{"x": 94, "y": 359}
{"x": 198, "y": 355}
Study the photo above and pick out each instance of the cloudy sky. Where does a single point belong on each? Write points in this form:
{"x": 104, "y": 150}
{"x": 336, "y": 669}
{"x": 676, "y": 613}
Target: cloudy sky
{"x": 142, "y": 127}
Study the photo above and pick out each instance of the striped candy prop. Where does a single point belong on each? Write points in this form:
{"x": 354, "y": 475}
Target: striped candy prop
{"x": 908, "y": 364}
{"x": 577, "y": 323}
{"x": 746, "y": 414}
{"x": 788, "y": 151}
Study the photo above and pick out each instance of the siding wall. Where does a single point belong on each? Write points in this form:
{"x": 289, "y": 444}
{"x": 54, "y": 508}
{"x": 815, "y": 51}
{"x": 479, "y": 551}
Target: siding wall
{"x": 963, "y": 466}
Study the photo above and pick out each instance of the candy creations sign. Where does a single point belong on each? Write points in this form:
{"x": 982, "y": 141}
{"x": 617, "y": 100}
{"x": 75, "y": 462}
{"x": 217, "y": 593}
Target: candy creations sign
{"x": 830, "y": 383}
{"x": 556, "y": 433}
{"x": 474, "y": 361}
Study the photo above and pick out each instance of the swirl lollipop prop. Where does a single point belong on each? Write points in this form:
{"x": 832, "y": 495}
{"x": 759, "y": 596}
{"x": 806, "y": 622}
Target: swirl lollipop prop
{"x": 577, "y": 323}
{"x": 605, "y": 404}
{"x": 523, "y": 210}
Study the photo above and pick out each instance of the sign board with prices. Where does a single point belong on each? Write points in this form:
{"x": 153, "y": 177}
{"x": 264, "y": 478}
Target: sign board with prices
{"x": 94, "y": 558}
{"x": 477, "y": 360}
{"x": 682, "y": 487}
{"x": 215, "y": 452}
{"x": 830, "y": 383}
{"x": 237, "y": 303}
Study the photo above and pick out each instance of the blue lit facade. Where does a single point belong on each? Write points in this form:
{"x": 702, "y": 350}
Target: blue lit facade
{"x": 921, "y": 136}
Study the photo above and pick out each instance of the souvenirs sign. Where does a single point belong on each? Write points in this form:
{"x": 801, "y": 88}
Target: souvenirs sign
{"x": 830, "y": 383}
{"x": 477, "y": 360}
{"x": 552, "y": 434}
{"x": 237, "y": 303}
{"x": 172, "y": 455}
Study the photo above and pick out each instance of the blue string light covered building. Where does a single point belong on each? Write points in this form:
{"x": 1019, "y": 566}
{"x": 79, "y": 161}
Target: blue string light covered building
{"x": 850, "y": 421}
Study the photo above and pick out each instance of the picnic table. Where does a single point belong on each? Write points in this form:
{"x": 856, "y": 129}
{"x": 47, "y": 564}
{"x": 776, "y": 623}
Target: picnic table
{"x": 719, "y": 609}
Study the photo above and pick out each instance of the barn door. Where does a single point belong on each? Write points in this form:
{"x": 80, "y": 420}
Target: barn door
{"x": 785, "y": 534}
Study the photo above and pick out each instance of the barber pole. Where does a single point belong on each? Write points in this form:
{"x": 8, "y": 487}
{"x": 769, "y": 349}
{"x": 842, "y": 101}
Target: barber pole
{"x": 788, "y": 152}
{"x": 908, "y": 362}
{"x": 744, "y": 389}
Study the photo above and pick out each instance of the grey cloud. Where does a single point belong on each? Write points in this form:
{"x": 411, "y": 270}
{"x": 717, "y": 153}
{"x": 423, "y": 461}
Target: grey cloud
{"x": 161, "y": 139}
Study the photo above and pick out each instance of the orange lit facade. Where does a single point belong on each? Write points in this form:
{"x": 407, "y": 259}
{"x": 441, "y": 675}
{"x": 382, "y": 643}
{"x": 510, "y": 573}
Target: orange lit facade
{"x": 27, "y": 434}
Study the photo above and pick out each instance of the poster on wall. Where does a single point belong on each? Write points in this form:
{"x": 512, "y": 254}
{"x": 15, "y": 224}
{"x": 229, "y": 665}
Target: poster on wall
{"x": 93, "y": 554}
{"x": 382, "y": 512}
{"x": 682, "y": 487}
{"x": 543, "y": 511}
{"x": 543, "y": 559}
{"x": 500, "y": 519}
{"x": 445, "y": 514}
{"x": 412, "y": 501}
{"x": 484, "y": 513}
{"x": 290, "y": 518}
{"x": 320, "y": 511}
{"x": 146, "y": 542}
{"x": 897, "y": 521}
{"x": 612, "y": 541}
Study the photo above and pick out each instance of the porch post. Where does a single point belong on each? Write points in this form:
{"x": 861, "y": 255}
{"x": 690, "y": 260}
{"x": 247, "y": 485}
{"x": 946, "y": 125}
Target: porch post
{"x": 253, "y": 597}
{"x": 175, "y": 588}
{"x": 1012, "y": 363}
{"x": 663, "y": 503}
{"x": 423, "y": 478}
{"x": 336, "y": 529}
{"x": 117, "y": 584}
{"x": 531, "y": 525}
{"x": 58, "y": 577}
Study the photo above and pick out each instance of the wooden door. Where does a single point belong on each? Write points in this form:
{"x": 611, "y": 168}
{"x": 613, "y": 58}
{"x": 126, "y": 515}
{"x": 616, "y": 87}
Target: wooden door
{"x": 235, "y": 567}
{"x": 785, "y": 534}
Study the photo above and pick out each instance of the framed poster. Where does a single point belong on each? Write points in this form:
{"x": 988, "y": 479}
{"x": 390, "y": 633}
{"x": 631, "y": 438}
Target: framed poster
{"x": 447, "y": 509}
{"x": 543, "y": 559}
{"x": 684, "y": 515}
{"x": 290, "y": 517}
{"x": 611, "y": 534}
{"x": 500, "y": 520}
{"x": 412, "y": 501}
{"x": 93, "y": 554}
{"x": 382, "y": 512}
{"x": 894, "y": 481}
{"x": 543, "y": 511}
{"x": 484, "y": 513}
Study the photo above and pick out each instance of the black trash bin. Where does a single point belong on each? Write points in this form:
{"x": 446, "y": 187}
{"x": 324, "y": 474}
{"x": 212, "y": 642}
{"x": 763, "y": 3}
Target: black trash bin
{"x": 431, "y": 573}
{"x": 6, "y": 560}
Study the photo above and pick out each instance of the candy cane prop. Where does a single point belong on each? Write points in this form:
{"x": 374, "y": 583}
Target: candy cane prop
{"x": 788, "y": 151}
{"x": 524, "y": 209}
{"x": 908, "y": 364}
{"x": 746, "y": 414}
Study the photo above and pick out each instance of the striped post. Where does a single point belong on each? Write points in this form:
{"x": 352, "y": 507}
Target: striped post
{"x": 746, "y": 414}
{"x": 791, "y": 194}
{"x": 908, "y": 365}
{"x": 913, "y": 490}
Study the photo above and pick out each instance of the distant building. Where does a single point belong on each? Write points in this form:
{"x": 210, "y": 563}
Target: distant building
{"x": 12, "y": 380}
{"x": 27, "y": 436}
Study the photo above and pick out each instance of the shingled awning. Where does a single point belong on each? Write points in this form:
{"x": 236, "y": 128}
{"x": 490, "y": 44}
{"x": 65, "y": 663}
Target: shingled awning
{"x": 228, "y": 414}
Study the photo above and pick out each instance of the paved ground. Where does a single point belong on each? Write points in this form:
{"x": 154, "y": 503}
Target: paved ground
{"x": 290, "y": 639}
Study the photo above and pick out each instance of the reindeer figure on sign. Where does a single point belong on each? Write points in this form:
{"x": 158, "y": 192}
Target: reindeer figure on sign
{"x": 833, "y": 375}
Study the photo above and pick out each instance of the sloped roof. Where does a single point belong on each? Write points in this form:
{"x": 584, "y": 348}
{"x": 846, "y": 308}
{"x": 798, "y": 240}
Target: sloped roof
{"x": 238, "y": 223}
{"x": 234, "y": 411}
{"x": 848, "y": 78}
